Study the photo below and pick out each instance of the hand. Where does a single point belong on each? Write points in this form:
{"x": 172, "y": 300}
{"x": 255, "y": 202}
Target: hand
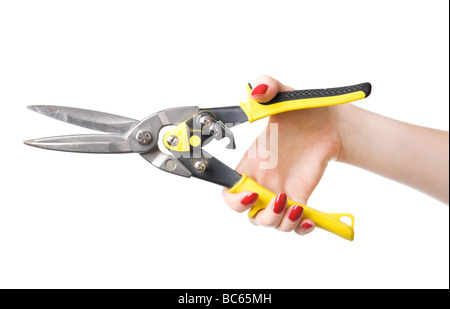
{"x": 307, "y": 140}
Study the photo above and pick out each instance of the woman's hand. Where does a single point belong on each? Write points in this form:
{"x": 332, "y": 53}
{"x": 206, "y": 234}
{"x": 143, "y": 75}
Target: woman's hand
{"x": 307, "y": 140}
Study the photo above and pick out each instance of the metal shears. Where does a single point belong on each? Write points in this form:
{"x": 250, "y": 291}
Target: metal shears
{"x": 193, "y": 128}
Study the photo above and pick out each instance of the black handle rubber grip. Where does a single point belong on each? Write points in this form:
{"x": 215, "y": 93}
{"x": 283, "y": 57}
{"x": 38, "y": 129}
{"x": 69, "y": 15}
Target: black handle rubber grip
{"x": 318, "y": 93}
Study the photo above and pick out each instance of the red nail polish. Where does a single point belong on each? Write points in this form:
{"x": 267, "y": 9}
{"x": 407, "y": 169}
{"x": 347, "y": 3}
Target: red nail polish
{"x": 296, "y": 212}
{"x": 306, "y": 226}
{"x": 249, "y": 199}
{"x": 260, "y": 89}
{"x": 280, "y": 203}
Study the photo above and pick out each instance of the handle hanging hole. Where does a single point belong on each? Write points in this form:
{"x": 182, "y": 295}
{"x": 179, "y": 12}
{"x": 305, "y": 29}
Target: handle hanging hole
{"x": 347, "y": 220}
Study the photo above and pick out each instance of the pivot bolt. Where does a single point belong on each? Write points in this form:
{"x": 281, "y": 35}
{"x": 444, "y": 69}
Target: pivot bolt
{"x": 143, "y": 137}
{"x": 172, "y": 140}
{"x": 205, "y": 121}
{"x": 200, "y": 166}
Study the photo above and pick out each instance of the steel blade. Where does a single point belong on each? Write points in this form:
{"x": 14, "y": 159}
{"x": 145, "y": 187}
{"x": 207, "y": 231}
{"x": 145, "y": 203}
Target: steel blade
{"x": 92, "y": 143}
{"x": 85, "y": 118}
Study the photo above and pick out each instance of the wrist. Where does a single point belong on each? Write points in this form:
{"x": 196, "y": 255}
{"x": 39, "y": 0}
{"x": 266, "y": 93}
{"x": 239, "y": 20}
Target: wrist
{"x": 349, "y": 120}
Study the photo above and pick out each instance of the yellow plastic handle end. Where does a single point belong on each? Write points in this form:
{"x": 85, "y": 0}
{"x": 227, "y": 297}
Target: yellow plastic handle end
{"x": 256, "y": 111}
{"x": 327, "y": 221}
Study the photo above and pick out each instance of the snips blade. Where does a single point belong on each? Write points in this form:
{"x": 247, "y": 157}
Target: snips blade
{"x": 89, "y": 143}
{"x": 85, "y": 118}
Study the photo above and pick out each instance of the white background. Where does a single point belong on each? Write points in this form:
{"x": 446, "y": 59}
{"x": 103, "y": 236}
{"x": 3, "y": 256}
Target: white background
{"x": 114, "y": 221}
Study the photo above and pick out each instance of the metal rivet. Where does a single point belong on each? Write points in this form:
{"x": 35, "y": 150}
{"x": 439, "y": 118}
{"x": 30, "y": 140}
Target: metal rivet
{"x": 200, "y": 166}
{"x": 172, "y": 140}
{"x": 144, "y": 137}
{"x": 205, "y": 121}
{"x": 171, "y": 165}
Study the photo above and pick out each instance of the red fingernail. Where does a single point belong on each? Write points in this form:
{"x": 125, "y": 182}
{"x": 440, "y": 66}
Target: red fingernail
{"x": 249, "y": 199}
{"x": 306, "y": 226}
{"x": 260, "y": 89}
{"x": 296, "y": 212}
{"x": 280, "y": 203}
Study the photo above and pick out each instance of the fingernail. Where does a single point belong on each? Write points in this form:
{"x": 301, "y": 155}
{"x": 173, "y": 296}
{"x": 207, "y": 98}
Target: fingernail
{"x": 280, "y": 203}
{"x": 296, "y": 212}
{"x": 306, "y": 226}
{"x": 260, "y": 89}
{"x": 249, "y": 199}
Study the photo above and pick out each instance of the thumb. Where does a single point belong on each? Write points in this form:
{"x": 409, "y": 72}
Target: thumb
{"x": 265, "y": 88}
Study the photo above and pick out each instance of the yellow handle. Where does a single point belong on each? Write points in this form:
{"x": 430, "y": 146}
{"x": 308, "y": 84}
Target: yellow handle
{"x": 327, "y": 221}
{"x": 301, "y": 99}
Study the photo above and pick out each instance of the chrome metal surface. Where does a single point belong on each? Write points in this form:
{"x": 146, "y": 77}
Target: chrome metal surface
{"x": 85, "y": 118}
{"x": 200, "y": 166}
{"x": 135, "y": 136}
{"x": 218, "y": 131}
{"x": 205, "y": 121}
{"x": 90, "y": 143}
{"x": 172, "y": 140}
{"x": 154, "y": 124}
{"x": 144, "y": 137}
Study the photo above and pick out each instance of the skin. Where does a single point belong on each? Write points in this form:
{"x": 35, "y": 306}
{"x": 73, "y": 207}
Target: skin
{"x": 413, "y": 155}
